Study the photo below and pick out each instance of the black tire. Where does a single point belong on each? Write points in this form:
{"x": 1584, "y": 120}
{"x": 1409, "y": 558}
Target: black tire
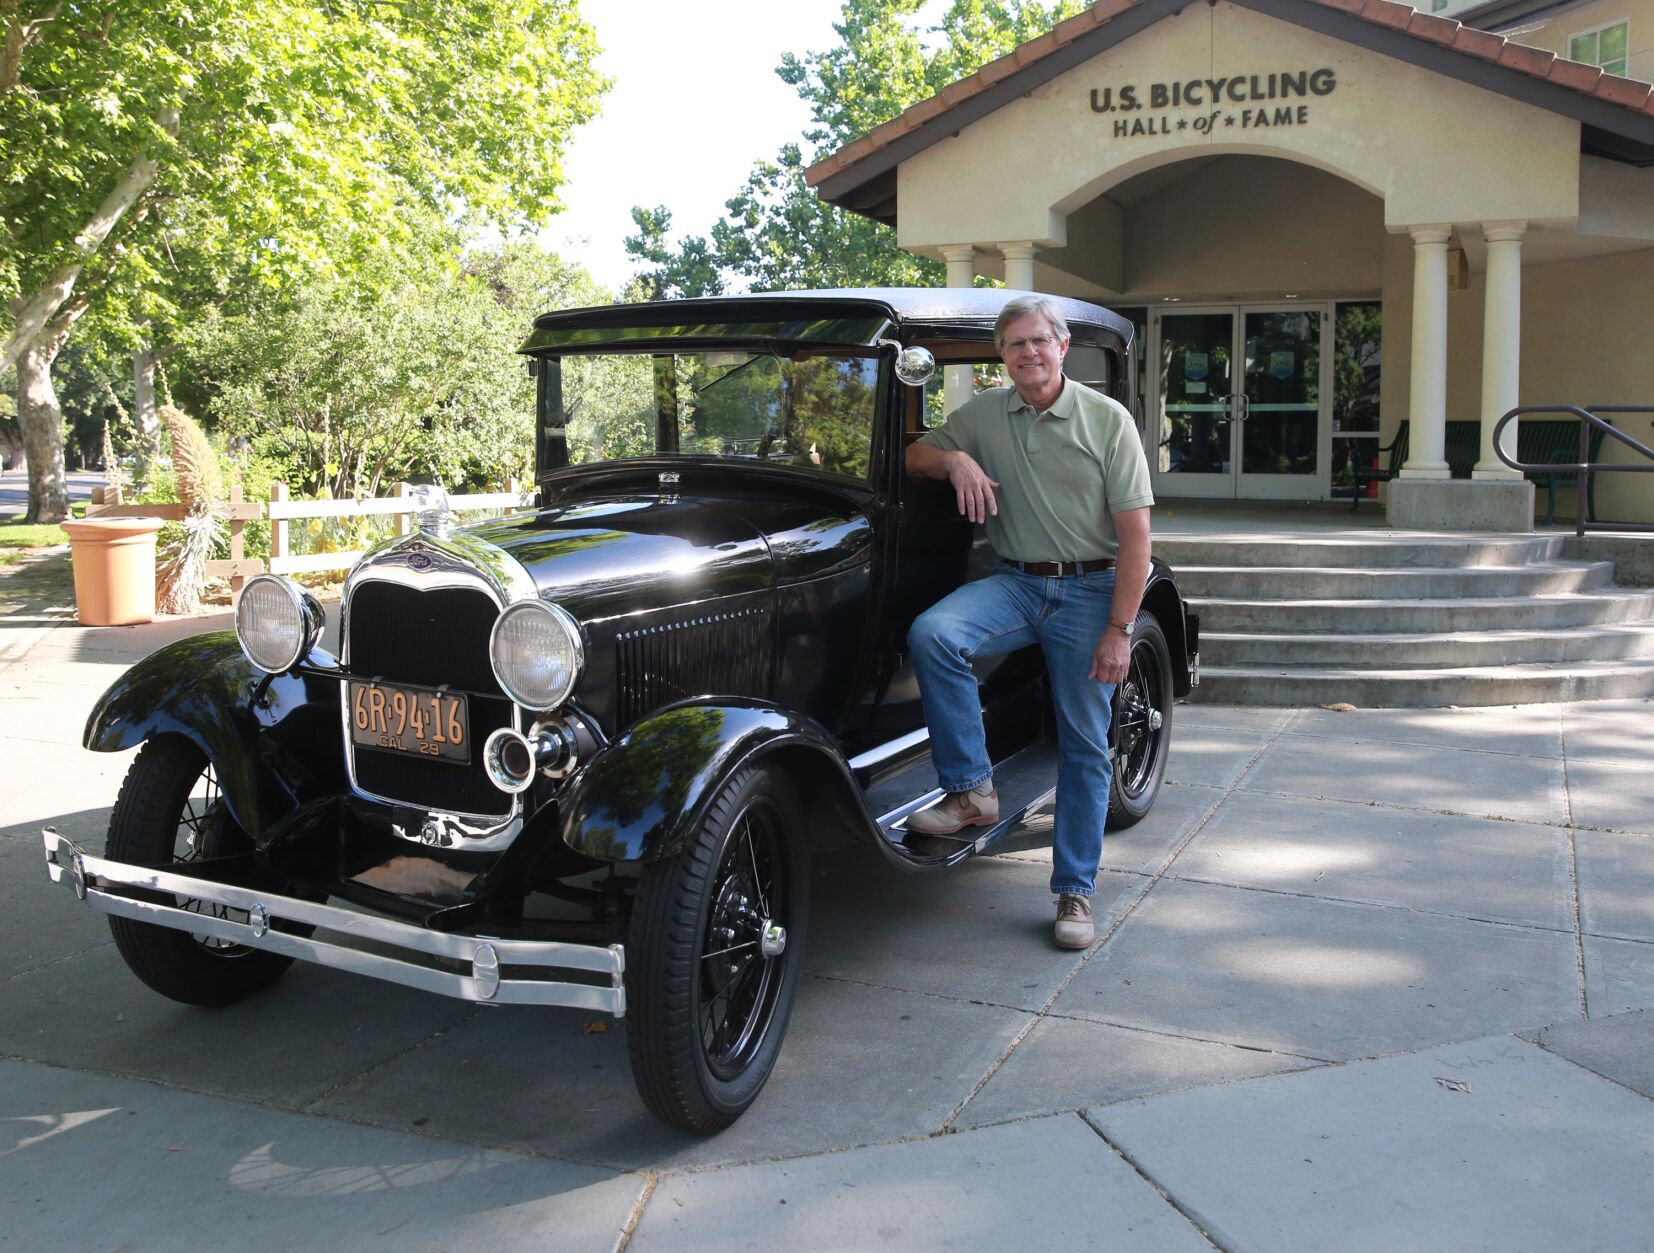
{"x": 1142, "y": 728}
{"x": 699, "y": 1060}
{"x": 169, "y": 810}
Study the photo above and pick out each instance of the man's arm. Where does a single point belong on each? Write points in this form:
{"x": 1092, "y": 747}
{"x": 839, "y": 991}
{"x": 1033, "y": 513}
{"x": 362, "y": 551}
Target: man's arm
{"x": 971, "y": 483}
{"x": 1131, "y": 571}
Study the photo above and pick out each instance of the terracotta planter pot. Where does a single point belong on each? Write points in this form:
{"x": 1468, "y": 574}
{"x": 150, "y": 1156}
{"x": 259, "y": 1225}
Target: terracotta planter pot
{"x": 114, "y": 561}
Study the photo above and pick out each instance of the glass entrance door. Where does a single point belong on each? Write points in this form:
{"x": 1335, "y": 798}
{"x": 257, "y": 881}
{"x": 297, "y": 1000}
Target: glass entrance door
{"x": 1195, "y": 405}
{"x": 1238, "y": 403}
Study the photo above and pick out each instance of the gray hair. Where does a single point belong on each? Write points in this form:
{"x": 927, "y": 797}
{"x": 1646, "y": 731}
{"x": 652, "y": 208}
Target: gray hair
{"x": 1022, "y": 306}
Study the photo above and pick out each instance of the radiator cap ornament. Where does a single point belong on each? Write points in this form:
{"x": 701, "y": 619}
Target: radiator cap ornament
{"x": 431, "y": 508}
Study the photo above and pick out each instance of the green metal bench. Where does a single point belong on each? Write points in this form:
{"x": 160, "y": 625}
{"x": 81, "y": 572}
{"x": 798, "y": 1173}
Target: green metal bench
{"x": 1537, "y": 442}
{"x": 1463, "y": 446}
{"x": 1557, "y": 443}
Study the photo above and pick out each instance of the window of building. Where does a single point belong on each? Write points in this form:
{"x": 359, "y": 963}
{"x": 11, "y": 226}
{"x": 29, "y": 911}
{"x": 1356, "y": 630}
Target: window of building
{"x": 1605, "y": 46}
{"x": 1357, "y": 362}
{"x": 1436, "y": 6}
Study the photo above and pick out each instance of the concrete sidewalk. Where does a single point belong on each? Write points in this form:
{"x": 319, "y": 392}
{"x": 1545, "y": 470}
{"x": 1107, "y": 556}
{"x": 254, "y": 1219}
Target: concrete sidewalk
{"x": 1364, "y": 980}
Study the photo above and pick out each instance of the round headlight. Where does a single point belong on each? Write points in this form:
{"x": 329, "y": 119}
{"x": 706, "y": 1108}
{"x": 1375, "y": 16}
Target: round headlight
{"x": 277, "y": 622}
{"x": 537, "y": 654}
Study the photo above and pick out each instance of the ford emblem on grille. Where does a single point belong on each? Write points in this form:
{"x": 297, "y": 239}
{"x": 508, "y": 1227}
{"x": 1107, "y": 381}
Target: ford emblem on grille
{"x": 420, "y": 561}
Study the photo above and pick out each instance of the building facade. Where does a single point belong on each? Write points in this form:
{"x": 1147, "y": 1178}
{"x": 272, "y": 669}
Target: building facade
{"x": 1328, "y": 217}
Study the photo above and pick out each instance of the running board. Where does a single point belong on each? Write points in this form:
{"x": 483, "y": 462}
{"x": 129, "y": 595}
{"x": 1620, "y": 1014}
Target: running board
{"x": 1024, "y": 781}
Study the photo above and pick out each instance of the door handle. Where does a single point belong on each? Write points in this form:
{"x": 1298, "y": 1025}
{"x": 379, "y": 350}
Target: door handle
{"x": 1243, "y": 406}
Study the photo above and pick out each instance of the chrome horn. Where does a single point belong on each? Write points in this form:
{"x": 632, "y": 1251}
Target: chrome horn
{"x": 512, "y": 758}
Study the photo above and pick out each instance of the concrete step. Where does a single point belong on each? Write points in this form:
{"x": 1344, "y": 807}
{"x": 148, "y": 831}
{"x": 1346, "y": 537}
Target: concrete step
{"x": 1362, "y": 550}
{"x": 1457, "y": 649}
{"x": 1385, "y": 615}
{"x": 1296, "y": 582}
{"x": 1413, "y": 689}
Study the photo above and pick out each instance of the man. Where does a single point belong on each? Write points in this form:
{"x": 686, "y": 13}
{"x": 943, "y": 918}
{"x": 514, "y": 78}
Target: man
{"x": 1056, "y": 472}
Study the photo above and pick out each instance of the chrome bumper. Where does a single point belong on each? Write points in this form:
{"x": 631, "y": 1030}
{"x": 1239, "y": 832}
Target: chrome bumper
{"x": 483, "y": 981}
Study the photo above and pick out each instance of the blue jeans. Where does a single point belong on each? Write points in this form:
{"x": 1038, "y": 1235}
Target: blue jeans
{"x": 1005, "y": 611}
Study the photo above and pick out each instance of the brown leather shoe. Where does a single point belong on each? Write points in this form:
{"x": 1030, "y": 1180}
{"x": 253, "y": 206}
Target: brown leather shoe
{"x": 957, "y": 810}
{"x": 1074, "y": 925}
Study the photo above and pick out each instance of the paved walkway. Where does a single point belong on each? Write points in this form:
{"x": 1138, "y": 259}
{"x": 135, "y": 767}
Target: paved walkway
{"x": 1364, "y": 980}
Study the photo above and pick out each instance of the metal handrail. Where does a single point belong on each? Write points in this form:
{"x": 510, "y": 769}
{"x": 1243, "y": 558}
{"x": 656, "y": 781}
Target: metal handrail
{"x": 1584, "y": 467}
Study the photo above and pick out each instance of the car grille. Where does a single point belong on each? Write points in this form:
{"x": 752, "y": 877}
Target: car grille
{"x": 428, "y": 638}
{"x": 725, "y": 653}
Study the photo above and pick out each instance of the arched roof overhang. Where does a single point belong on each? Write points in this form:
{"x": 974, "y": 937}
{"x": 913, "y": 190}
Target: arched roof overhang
{"x": 1599, "y": 114}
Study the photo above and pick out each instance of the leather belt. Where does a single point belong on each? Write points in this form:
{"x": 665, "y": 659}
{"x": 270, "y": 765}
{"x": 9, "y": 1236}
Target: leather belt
{"x": 1056, "y": 569}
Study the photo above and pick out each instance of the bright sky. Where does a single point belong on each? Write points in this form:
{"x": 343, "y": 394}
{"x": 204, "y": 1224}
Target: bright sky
{"x": 695, "y": 102}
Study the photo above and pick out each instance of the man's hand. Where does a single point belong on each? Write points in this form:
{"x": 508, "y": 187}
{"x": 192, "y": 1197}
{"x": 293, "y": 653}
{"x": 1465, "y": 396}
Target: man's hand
{"x": 972, "y": 486}
{"x": 1111, "y": 657}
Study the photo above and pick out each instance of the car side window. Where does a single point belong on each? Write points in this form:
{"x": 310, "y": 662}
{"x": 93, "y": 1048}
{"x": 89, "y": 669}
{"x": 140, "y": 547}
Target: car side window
{"x": 983, "y": 375}
{"x": 1088, "y": 365}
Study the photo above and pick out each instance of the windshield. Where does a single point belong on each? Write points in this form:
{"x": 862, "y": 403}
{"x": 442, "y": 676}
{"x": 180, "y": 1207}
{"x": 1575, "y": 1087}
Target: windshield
{"x": 813, "y": 410}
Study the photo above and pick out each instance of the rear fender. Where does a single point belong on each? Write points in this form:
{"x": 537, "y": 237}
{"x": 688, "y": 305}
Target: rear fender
{"x": 644, "y": 795}
{"x": 275, "y": 742}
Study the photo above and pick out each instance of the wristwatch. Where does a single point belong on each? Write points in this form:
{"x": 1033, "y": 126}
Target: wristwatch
{"x": 1128, "y": 629}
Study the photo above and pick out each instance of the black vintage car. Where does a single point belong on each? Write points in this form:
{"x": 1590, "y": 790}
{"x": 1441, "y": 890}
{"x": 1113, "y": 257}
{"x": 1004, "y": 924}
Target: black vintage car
{"x": 580, "y": 756}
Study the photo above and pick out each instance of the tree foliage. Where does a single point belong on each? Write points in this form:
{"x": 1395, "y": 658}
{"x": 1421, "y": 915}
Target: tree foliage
{"x": 154, "y": 155}
{"x": 777, "y": 233}
{"x": 394, "y": 373}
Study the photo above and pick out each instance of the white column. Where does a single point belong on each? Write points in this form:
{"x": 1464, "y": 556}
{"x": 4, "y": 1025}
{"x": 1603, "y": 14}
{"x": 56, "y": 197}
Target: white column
{"x": 1501, "y": 343}
{"x": 956, "y": 379}
{"x": 1019, "y": 265}
{"x": 1427, "y": 401}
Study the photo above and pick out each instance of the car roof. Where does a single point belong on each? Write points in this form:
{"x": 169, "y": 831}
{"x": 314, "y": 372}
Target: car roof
{"x": 962, "y": 304}
{"x": 852, "y": 312}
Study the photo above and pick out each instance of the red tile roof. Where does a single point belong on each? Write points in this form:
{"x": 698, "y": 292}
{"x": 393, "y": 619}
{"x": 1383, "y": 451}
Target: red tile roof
{"x": 1586, "y": 79}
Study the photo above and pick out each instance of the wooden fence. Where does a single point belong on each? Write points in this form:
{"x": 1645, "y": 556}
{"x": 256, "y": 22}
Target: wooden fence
{"x": 281, "y": 510}
{"x": 237, "y": 568}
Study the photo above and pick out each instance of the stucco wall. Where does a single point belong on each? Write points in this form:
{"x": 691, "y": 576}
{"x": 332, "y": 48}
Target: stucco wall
{"x": 1553, "y": 34}
{"x": 1432, "y": 148}
{"x": 1252, "y": 228}
{"x": 1585, "y": 334}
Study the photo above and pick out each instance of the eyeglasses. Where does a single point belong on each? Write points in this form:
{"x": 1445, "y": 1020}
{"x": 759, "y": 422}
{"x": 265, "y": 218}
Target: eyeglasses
{"x": 1039, "y": 343}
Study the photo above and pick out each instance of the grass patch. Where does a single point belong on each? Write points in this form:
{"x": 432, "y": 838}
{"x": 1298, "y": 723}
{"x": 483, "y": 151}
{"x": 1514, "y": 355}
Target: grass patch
{"x": 31, "y": 535}
{"x": 15, "y": 533}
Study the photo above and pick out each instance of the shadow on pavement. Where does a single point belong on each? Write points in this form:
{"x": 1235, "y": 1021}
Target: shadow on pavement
{"x": 38, "y": 591}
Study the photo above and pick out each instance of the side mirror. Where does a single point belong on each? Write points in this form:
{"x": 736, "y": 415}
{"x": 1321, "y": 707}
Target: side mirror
{"x": 915, "y": 366}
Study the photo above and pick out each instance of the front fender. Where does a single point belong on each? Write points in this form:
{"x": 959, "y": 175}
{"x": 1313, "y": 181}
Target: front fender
{"x": 275, "y": 742}
{"x": 643, "y": 794}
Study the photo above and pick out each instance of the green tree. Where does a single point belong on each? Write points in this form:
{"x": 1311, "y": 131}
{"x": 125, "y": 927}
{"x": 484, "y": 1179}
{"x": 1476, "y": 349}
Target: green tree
{"x": 777, "y": 233}
{"x": 689, "y": 270}
{"x": 274, "y": 137}
{"x": 395, "y": 371}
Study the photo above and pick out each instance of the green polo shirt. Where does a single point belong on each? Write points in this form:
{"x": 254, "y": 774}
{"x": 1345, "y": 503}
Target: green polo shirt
{"x": 1061, "y": 473}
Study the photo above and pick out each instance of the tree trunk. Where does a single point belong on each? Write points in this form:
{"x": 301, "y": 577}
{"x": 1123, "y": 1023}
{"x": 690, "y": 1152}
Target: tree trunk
{"x": 11, "y": 448}
{"x": 41, "y": 417}
{"x": 144, "y": 416}
{"x": 42, "y": 422}
{"x": 19, "y": 35}
{"x": 34, "y": 312}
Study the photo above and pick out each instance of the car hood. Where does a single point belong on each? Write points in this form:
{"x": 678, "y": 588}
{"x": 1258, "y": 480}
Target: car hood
{"x": 632, "y": 554}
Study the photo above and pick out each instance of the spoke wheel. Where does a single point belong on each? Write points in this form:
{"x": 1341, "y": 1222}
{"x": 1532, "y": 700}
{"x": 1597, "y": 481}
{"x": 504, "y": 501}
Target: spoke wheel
{"x": 1141, "y": 733}
{"x": 713, "y": 956}
{"x": 171, "y": 812}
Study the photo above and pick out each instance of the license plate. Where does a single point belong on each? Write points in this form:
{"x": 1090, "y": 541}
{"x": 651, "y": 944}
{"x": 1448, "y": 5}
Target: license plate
{"x": 420, "y": 721}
